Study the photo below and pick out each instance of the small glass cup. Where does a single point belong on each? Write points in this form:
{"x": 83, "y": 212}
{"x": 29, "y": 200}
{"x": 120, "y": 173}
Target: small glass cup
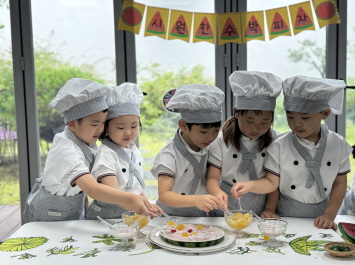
{"x": 129, "y": 218}
{"x": 124, "y": 232}
{"x": 272, "y": 228}
{"x": 239, "y": 220}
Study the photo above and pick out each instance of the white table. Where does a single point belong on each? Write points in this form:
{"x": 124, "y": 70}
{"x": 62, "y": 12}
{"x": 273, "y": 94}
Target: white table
{"x": 83, "y": 232}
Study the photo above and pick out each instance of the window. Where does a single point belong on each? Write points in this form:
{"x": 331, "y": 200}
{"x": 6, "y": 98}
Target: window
{"x": 282, "y": 56}
{"x": 163, "y": 65}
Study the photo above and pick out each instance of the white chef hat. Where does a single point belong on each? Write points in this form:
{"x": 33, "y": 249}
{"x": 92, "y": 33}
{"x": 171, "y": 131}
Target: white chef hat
{"x": 79, "y": 98}
{"x": 255, "y": 90}
{"x": 310, "y": 95}
{"x": 124, "y": 99}
{"x": 198, "y": 103}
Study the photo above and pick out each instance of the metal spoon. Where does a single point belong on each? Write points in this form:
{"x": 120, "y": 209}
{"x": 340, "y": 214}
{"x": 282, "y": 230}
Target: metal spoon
{"x": 105, "y": 222}
{"x": 227, "y": 212}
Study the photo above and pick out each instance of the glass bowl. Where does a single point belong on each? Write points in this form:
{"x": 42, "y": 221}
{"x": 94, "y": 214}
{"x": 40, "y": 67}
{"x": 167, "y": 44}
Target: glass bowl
{"x": 239, "y": 220}
{"x": 129, "y": 218}
{"x": 271, "y": 228}
{"x": 122, "y": 231}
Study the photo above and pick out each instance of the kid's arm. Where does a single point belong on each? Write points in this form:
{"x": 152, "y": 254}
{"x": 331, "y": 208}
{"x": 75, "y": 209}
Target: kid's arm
{"x": 260, "y": 186}
{"x": 271, "y": 204}
{"x": 337, "y": 194}
{"x": 104, "y": 193}
{"x": 213, "y": 187}
{"x": 110, "y": 181}
{"x": 167, "y": 196}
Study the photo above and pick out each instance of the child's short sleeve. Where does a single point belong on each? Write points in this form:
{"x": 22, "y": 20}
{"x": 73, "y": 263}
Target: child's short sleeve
{"x": 215, "y": 153}
{"x": 344, "y": 167}
{"x": 105, "y": 162}
{"x": 165, "y": 162}
{"x": 272, "y": 161}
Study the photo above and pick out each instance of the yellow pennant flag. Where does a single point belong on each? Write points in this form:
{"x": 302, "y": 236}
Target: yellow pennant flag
{"x": 253, "y": 26}
{"x": 156, "y": 22}
{"x": 204, "y": 27}
{"x": 131, "y": 16}
{"x": 229, "y": 28}
{"x": 326, "y": 12}
{"x": 301, "y": 17}
{"x": 180, "y": 25}
{"x": 278, "y": 22}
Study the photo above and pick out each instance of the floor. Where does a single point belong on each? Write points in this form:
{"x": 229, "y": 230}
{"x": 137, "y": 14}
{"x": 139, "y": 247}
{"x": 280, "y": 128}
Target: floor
{"x": 10, "y": 220}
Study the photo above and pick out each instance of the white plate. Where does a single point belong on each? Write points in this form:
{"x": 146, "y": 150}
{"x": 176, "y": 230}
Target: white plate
{"x": 229, "y": 239}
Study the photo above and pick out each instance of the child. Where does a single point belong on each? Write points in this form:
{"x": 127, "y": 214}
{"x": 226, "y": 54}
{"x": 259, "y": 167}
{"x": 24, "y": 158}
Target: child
{"x": 180, "y": 166}
{"x": 118, "y": 163}
{"x": 309, "y": 163}
{"x": 238, "y": 154}
{"x": 66, "y": 176}
{"x": 348, "y": 205}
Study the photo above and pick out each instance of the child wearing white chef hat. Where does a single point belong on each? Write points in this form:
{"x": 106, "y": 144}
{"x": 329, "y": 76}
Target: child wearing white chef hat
{"x": 239, "y": 152}
{"x": 119, "y": 163}
{"x": 348, "y": 205}
{"x": 180, "y": 166}
{"x": 66, "y": 176}
{"x": 309, "y": 164}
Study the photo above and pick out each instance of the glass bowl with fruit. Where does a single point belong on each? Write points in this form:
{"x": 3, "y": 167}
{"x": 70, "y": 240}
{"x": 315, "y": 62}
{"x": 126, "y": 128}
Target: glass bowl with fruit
{"x": 239, "y": 219}
{"x": 131, "y": 217}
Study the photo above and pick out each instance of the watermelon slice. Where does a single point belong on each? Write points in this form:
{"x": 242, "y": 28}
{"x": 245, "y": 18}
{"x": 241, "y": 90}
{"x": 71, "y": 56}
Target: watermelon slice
{"x": 325, "y": 10}
{"x": 302, "y": 20}
{"x": 180, "y": 28}
{"x": 131, "y": 16}
{"x": 156, "y": 25}
{"x": 229, "y": 31}
{"x": 253, "y": 29}
{"x": 204, "y": 30}
{"x": 279, "y": 25}
{"x": 348, "y": 231}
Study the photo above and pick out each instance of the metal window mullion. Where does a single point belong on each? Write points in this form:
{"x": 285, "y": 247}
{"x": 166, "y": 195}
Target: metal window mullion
{"x": 25, "y": 96}
{"x": 336, "y": 41}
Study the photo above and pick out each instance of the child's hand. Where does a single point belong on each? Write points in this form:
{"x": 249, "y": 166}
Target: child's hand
{"x": 240, "y": 188}
{"x": 222, "y": 197}
{"x": 140, "y": 204}
{"x": 326, "y": 222}
{"x": 207, "y": 202}
{"x": 269, "y": 214}
{"x": 157, "y": 210}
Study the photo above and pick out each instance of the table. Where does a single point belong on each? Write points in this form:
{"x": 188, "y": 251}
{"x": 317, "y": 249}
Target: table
{"x": 78, "y": 237}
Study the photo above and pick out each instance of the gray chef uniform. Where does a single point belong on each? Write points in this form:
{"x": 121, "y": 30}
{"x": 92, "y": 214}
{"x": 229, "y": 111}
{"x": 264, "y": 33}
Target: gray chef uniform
{"x": 55, "y": 196}
{"x": 253, "y": 91}
{"x": 197, "y": 104}
{"x": 307, "y": 171}
{"x": 126, "y": 163}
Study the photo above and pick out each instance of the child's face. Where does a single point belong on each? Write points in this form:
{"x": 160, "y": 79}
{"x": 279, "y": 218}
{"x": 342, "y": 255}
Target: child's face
{"x": 197, "y": 137}
{"x": 306, "y": 125}
{"x": 252, "y": 125}
{"x": 123, "y": 130}
{"x": 89, "y": 128}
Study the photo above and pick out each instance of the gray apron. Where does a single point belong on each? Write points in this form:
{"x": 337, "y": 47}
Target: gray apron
{"x": 41, "y": 205}
{"x": 199, "y": 175}
{"x": 288, "y": 207}
{"x": 109, "y": 210}
{"x": 293, "y": 208}
{"x": 348, "y": 205}
{"x": 249, "y": 201}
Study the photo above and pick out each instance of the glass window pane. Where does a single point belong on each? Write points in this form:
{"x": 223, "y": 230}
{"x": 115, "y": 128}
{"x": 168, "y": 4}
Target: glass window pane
{"x": 9, "y": 170}
{"x": 163, "y": 65}
{"x": 71, "y": 39}
{"x": 286, "y": 56}
{"x": 350, "y": 92}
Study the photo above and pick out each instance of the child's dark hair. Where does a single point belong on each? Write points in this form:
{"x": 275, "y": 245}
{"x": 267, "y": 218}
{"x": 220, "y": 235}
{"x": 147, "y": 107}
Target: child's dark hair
{"x": 104, "y": 134}
{"x": 79, "y": 120}
{"x": 205, "y": 125}
{"x": 232, "y": 132}
{"x": 353, "y": 151}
